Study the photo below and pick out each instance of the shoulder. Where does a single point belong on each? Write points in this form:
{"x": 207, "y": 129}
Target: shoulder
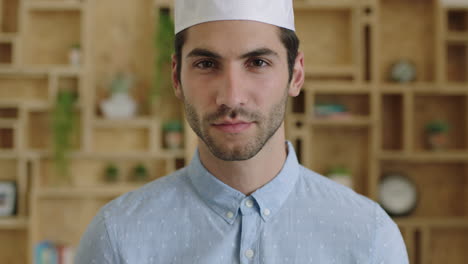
{"x": 333, "y": 197}
{"x": 153, "y": 196}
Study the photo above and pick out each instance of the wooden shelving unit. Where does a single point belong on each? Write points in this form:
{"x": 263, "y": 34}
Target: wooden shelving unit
{"x": 349, "y": 48}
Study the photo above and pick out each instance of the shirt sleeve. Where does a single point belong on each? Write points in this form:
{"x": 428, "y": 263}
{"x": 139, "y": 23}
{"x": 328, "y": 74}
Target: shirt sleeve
{"x": 96, "y": 245}
{"x": 388, "y": 246}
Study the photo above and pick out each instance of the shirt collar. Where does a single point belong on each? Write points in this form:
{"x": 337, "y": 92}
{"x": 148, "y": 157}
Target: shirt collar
{"x": 226, "y": 201}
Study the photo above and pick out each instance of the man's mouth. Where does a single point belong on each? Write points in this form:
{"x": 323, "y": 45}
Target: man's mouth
{"x": 232, "y": 127}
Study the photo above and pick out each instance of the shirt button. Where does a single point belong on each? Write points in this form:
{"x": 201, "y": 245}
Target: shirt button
{"x": 229, "y": 215}
{"x": 249, "y": 203}
{"x": 249, "y": 253}
{"x": 266, "y": 212}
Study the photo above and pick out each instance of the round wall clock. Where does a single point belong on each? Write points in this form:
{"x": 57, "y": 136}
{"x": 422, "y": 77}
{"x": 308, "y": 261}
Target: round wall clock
{"x": 397, "y": 194}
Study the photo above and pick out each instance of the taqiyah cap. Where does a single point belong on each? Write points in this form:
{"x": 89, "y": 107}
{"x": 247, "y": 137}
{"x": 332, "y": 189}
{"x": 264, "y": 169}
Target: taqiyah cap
{"x": 192, "y": 12}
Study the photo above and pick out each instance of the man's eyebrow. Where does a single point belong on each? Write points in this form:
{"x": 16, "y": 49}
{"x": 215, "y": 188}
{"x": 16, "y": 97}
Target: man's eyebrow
{"x": 259, "y": 52}
{"x": 199, "y": 52}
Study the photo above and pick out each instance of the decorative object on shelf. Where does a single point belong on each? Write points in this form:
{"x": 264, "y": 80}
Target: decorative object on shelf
{"x": 47, "y": 252}
{"x": 403, "y": 71}
{"x": 342, "y": 175}
{"x": 164, "y": 47}
{"x": 437, "y": 134}
{"x": 173, "y": 136}
{"x": 397, "y": 194}
{"x": 74, "y": 55}
{"x": 7, "y": 198}
{"x": 64, "y": 128}
{"x": 111, "y": 173}
{"x": 120, "y": 105}
{"x": 331, "y": 111}
{"x": 140, "y": 173}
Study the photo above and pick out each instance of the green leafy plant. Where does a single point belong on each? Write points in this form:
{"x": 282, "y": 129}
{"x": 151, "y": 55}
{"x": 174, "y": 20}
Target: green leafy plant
{"x": 164, "y": 47}
{"x": 63, "y": 127}
{"x": 111, "y": 173}
{"x": 437, "y": 126}
{"x": 140, "y": 173}
{"x": 339, "y": 170}
{"x": 173, "y": 126}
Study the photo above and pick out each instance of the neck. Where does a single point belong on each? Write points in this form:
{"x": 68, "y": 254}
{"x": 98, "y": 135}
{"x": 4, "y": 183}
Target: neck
{"x": 248, "y": 175}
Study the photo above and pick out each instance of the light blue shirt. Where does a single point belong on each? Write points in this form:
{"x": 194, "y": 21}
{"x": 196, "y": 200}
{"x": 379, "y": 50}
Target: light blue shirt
{"x": 192, "y": 217}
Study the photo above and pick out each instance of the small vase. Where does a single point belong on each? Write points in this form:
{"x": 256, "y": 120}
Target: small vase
{"x": 437, "y": 141}
{"x": 173, "y": 139}
{"x": 74, "y": 57}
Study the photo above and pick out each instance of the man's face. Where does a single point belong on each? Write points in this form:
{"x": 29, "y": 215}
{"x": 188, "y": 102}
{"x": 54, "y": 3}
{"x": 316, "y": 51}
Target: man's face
{"x": 234, "y": 85}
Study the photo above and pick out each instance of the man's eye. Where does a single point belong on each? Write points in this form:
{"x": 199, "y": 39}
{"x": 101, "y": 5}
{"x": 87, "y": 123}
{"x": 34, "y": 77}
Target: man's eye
{"x": 259, "y": 63}
{"x": 205, "y": 64}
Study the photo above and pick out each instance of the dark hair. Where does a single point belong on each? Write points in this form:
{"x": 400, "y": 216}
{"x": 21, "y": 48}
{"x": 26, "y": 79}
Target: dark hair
{"x": 287, "y": 36}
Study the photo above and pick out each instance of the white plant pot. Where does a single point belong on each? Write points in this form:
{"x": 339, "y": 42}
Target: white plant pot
{"x": 118, "y": 106}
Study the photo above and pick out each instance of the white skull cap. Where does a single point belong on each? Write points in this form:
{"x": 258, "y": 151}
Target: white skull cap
{"x": 192, "y": 12}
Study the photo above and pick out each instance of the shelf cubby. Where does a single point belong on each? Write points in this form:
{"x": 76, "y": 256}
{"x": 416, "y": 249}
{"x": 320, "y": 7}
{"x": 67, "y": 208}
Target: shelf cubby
{"x": 408, "y": 33}
{"x": 328, "y": 34}
{"x": 457, "y": 62}
{"x": 7, "y": 138}
{"x": 90, "y": 173}
{"x": 130, "y": 140}
{"x": 49, "y": 36}
{"x": 448, "y": 245}
{"x": 24, "y": 87}
{"x": 441, "y": 187}
{"x": 449, "y": 108}
{"x": 39, "y": 137}
{"x": 457, "y": 20}
{"x": 9, "y": 169}
{"x": 6, "y": 53}
{"x": 67, "y": 212}
{"x": 9, "y": 10}
{"x": 392, "y": 122}
{"x": 14, "y": 245}
{"x": 357, "y": 105}
{"x": 342, "y": 146}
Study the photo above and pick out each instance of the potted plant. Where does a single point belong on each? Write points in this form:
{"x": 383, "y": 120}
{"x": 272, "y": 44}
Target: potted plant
{"x": 120, "y": 104}
{"x": 164, "y": 47}
{"x": 111, "y": 173}
{"x": 63, "y": 129}
{"x": 341, "y": 175}
{"x": 437, "y": 134}
{"x": 173, "y": 136}
{"x": 140, "y": 173}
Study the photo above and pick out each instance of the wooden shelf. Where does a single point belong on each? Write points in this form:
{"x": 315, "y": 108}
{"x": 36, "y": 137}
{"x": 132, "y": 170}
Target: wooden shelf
{"x": 8, "y": 37}
{"x": 330, "y": 71}
{"x": 329, "y": 4}
{"x": 85, "y": 193}
{"x": 432, "y": 222}
{"x": 452, "y": 156}
{"x": 163, "y": 154}
{"x": 354, "y": 121}
{"x": 69, "y": 5}
{"x": 13, "y": 223}
{"x": 457, "y": 37}
{"x": 140, "y": 122}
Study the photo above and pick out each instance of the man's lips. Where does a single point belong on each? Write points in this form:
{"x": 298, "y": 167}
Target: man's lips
{"x": 233, "y": 127}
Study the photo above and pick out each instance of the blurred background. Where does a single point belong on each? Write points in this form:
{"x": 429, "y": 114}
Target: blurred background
{"x": 87, "y": 113}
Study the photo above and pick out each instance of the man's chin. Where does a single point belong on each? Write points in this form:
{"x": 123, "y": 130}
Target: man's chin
{"x": 234, "y": 152}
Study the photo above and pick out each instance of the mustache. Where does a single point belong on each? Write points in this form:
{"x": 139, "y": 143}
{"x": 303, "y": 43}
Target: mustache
{"x": 232, "y": 113}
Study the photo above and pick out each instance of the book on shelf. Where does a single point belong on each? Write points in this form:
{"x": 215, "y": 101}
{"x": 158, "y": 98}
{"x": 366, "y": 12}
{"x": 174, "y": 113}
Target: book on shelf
{"x": 48, "y": 252}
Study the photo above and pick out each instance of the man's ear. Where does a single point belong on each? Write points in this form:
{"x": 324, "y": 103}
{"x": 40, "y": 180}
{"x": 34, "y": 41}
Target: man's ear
{"x": 298, "y": 75}
{"x": 175, "y": 80}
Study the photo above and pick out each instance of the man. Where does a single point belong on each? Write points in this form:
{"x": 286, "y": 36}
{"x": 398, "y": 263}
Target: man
{"x": 244, "y": 198}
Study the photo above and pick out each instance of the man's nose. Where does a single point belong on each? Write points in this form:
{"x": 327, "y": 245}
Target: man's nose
{"x": 232, "y": 90}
